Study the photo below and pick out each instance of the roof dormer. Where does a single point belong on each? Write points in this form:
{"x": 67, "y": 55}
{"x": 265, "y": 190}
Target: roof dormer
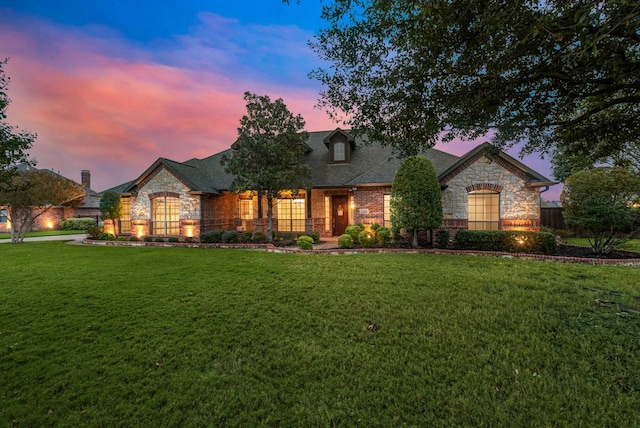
{"x": 340, "y": 145}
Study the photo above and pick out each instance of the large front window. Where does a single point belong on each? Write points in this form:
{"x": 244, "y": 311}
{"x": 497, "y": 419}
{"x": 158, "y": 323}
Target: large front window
{"x": 165, "y": 216}
{"x": 125, "y": 218}
{"x": 3, "y": 215}
{"x": 291, "y": 215}
{"x": 484, "y": 210}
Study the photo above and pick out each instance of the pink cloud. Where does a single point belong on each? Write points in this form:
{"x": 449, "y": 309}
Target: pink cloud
{"x": 114, "y": 116}
{"x": 101, "y": 103}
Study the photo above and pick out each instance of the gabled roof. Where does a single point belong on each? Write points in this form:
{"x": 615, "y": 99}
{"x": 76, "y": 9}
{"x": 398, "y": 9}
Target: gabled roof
{"x": 369, "y": 165}
{"x": 350, "y": 139}
{"x": 190, "y": 173}
{"x": 533, "y": 178}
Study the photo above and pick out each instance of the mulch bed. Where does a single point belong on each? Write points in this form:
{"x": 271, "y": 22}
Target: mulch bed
{"x": 585, "y": 252}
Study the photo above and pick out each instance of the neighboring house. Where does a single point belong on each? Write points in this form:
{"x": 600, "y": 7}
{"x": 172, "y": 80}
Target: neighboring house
{"x": 351, "y": 184}
{"x": 90, "y": 206}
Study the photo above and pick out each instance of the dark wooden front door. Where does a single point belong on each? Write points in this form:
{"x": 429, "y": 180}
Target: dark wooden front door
{"x": 340, "y": 214}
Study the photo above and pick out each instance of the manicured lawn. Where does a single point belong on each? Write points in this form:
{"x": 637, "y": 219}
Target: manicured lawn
{"x": 110, "y": 336}
{"x": 45, "y": 233}
{"x": 631, "y": 245}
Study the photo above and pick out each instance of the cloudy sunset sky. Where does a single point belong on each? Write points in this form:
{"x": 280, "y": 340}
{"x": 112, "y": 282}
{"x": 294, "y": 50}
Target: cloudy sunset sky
{"x": 110, "y": 86}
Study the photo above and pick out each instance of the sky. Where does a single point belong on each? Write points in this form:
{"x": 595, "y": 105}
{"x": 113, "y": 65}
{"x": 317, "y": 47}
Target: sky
{"x": 111, "y": 86}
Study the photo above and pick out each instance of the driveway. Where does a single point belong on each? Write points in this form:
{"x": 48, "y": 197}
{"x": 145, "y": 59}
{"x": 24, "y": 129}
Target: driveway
{"x": 75, "y": 238}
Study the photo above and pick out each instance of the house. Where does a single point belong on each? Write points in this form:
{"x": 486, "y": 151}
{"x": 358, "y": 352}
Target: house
{"x": 484, "y": 189}
{"x": 89, "y": 207}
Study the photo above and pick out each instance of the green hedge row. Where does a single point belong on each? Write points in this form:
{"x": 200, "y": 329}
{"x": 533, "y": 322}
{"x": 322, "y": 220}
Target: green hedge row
{"x": 80, "y": 223}
{"x": 506, "y": 240}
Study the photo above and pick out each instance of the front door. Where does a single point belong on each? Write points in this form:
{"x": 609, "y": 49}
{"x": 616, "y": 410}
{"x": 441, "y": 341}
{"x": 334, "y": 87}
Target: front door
{"x": 340, "y": 214}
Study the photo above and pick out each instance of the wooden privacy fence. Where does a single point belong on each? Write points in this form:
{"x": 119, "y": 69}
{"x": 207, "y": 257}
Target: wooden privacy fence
{"x": 552, "y": 218}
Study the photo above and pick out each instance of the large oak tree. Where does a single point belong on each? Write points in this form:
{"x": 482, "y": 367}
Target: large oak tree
{"x": 268, "y": 156}
{"x": 547, "y": 73}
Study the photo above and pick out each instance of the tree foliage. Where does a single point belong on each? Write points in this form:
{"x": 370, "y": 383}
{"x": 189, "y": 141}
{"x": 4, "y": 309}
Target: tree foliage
{"x": 268, "y": 156}
{"x": 14, "y": 144}
{"x": 111, "y": 208}
{"x": 543, "y": 72}
{"x": 416, "y": 198}
{"x": 565, "y": 162}
{"x": 604, "y": 203}
{"x": 33, "y": 193}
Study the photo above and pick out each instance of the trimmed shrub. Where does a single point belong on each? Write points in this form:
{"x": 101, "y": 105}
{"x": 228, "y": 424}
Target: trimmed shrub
{"x": 106, "y": 237}
{"x": 174, "y": 239}
{"x": 94, "y": 232}
{"x": 305, "y": 242}
{"x": 442, "y": 238}
{"x": 211, "y": 236}
{"x": 147, "y": 239}
{"x": 134, "y": 239}
{"x": 259, "y": 237}
{"x": 159, "y": 239}
{"x": 354, "y": 231}
{"x": 189, "y": 239}
{"x": 383, "y": 236}
{"x": 82, "y": 223}
{"x": 315, "y": 235}
{"x": 375, "y": 226}
{"x": 245, "y": 236}
{"x": 283, "y": 239}
{"x": 345, "y": 241}
{"x": 121, "y": 238}
{"x": 506, "y": 240}
{"x": 367, "y": 239}
{"x": 230, "y": 237}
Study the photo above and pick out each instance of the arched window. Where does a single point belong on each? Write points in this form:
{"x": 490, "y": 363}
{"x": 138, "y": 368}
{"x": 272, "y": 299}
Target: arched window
{"x": 165, "y": 216}
{"x": 484, "y": 210}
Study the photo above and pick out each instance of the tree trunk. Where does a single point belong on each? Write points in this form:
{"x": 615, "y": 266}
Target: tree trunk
{"x": 415, "y": 238}
{"x": 269, "y": 217}
{"x": 259, "y": 203}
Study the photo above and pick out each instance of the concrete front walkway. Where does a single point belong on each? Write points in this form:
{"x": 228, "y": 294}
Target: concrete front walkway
{"x": 76, "y": 239}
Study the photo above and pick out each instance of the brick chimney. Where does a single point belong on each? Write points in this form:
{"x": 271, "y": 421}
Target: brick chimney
{"x": 86, "y": 178}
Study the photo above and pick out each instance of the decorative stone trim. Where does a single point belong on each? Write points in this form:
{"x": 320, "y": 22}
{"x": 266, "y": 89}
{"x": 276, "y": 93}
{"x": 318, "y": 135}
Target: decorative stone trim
{"x": 520, "y": 224}
{"x": 485, "y": 186}
{"x": 163, "y": 194}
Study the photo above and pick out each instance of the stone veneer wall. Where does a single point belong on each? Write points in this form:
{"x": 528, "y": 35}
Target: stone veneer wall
{"x": 163, "y": 181}
{"x": 519, "y": 205}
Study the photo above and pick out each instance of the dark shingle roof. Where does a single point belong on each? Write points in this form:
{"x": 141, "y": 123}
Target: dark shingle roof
{"x": 370, "y": 164}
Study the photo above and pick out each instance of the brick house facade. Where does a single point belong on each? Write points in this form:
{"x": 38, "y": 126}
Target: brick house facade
{"x": 484, "y": 189}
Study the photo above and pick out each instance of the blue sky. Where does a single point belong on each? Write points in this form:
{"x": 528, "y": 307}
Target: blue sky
{"x": 112, "y": 86}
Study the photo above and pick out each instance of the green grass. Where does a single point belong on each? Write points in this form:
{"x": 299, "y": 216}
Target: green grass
{"x": 46, "y": 233}
{"x": 630, "y": 245}
{"x": 113, "y": 336}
